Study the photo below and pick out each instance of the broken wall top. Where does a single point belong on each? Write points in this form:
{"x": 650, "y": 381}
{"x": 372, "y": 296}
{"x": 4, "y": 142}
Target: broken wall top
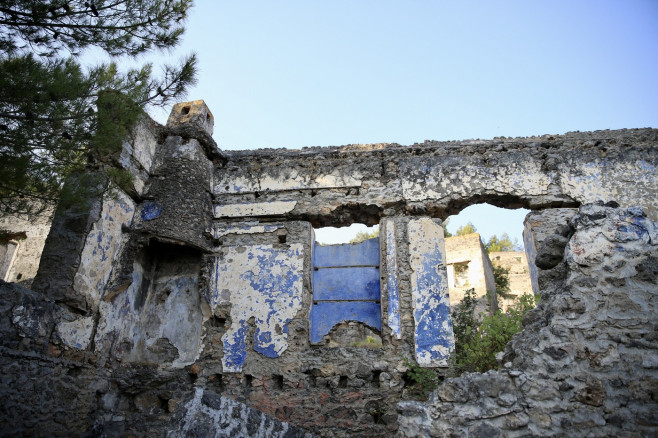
{"x": 336, "y": 186}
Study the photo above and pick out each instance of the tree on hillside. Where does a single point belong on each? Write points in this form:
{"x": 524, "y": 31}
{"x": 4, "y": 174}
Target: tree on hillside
{"x": 365, "y": 235}
{"x": 469, "y": 228}
{"x": 54, "y": 112}
{"x": 446, "y": 233}
{"x": 502, "y": 243}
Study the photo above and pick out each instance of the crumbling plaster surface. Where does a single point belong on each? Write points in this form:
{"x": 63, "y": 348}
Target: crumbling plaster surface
{"x": 585, "y": 364}
{"x": 163, "y": 331}
{"x": 208, "y": 414}
{"x": 433, "y": 336}
{"x": 440, "y": 178}
{"x": 159, "y": 317}
{"x": 388, "y": 229}
{"x": 259, "y": 282}
{"x": 101, "y": 248}
{"x": 25, "y": 264}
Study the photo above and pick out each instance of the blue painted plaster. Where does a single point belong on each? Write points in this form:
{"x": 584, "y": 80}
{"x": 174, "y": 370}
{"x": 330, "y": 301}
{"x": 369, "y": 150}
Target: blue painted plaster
{"x": 264, "y": 283}
{"x": 433, "y": 333}
{"x": 432, "y": 309}
{"x": 392, "y": 287}
{"x": 359, "y": 283}
{"x": 365, "y": 253}
{"x": 151, "y": 210}
{"x": 346, "y": 287}
{"x": 326, "y": 314}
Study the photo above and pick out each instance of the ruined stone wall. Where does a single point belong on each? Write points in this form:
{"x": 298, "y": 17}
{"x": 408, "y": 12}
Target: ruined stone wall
{"x": 473, "y": 270}
{"x": 19, "y": 262}
{"x": 585, "y": 364}
{"x": 200, "y": 281}
{"x": 520, "y": 283}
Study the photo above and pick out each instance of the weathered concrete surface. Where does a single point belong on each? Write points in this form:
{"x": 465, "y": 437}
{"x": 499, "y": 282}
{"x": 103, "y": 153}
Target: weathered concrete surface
{"x": 209, "y": 415}
{"x": 466, "y": 253}
{"x": 165, "y": 328}
{"x": 138, "y": 152}
{"x": 159, "y": 317}
{"x": 180, "y": 186}
{"x": 62, "y": 253}
{"x": 429, "y": 288}
{"x": 38, "y": 385}
{"x": 101, "y": 248}
{"x": 440, "y": 178}
{"x": 263, "y": 283}
{"x": 537, "y": 227}
{"x": 392, "y": 285}
{"x": 585, "y": 364}
{"x": 21, "y": 263}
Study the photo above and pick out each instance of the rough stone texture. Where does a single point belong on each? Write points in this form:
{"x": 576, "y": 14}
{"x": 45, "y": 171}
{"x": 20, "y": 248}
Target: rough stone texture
{"x": 139, "y": 350}
{"x": 22, "y": 263}
{"x": 361, "y": 183}
{"x": 537, "y": 227}
{"x": 476, "y": 270}
{"x": 209, "y": 415}
{"x": 520, "y": 283}
{"x": 62, "y": 253}
{"x": 585, "y": 364}
{"x": 43, "y": 393}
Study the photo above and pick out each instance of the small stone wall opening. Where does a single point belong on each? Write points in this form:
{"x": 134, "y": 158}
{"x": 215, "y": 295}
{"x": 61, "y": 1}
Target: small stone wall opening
{"x": 484, "y": 243}
{"x": 346, "y": 310}
{"x": 7, "y": 255}
{"x": 340, "y": 235}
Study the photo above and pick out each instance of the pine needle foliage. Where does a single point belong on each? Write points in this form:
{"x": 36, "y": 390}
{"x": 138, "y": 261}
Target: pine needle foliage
{"x": 54, "y": 113}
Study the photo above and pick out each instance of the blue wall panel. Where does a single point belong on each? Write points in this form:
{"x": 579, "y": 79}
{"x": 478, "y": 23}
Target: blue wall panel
{"x": 346, "y": 287}
{"x": 361, "y": 254}
{"x": 346, "y": 284}
{"x": 325, "y": 315}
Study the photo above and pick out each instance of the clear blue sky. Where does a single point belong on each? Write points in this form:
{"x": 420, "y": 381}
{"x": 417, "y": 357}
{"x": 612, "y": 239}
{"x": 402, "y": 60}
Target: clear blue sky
{"x": 319, "y": 73}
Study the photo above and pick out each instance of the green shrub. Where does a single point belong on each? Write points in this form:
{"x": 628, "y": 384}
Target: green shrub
{"x": 424, "y": 379}
{"x": 476, "y": 344}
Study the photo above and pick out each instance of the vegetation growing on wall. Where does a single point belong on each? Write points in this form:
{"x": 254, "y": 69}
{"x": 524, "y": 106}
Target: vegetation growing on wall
{"x": 362, "y": 236}
{"x": 476, "y": 344}
{"x": 54, "y": 111}
{"x": 422, "y": 380}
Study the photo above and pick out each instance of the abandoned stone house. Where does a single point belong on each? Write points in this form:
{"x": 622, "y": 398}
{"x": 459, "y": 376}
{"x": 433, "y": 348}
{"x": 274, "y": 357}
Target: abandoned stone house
{"x": 198, "y": 304}
{"x": 469, "y": 266}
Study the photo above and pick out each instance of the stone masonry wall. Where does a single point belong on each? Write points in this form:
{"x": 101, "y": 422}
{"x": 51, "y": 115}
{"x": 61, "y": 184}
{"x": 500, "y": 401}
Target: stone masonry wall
{"x": 200, "y": 282}
{"x": 585, "y": 364}
{"x": 29, "y": 242}
{"x": 476, "y": 274}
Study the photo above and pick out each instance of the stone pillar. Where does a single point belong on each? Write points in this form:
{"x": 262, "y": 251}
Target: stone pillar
{"x": 179, "y": 205}
{"x": 433, "y": 337}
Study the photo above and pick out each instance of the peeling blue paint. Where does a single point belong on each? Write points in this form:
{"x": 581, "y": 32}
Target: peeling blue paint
{"x": 346, "y": 287}
{"x": 151, "y": 210}
{"x": 365, "y": 253}
{"x": 326, "y": 314}
{"x": 353, "y": 283}
{"x": 392, "y": 287}
{"x": 264, "y": 283}
{"x": 431, "y": 310}
{"x": 433, "y": 333}
{"x": 235, "y": 353}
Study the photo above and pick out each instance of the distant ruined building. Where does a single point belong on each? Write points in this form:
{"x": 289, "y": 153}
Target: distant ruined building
{"x": 198, "y": 304}
{"x": 470, "y": 267}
